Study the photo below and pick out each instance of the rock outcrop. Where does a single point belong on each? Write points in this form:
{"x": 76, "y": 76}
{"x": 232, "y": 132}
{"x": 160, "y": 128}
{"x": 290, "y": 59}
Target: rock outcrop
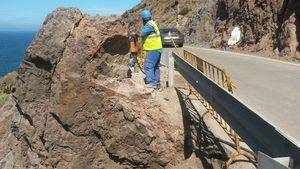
{"x": 262, "y": 23}
{"x": 62, "y": 117}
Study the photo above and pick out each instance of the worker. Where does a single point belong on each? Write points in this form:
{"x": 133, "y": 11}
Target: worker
{"x": 152, "y": 45}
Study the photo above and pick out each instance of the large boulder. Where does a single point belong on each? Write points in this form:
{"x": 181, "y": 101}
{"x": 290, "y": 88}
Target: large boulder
{"x": 62, "y": 117}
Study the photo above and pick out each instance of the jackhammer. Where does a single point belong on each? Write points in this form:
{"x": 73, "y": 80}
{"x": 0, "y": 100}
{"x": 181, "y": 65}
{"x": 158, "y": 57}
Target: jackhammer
{"x": 135, "y": 60}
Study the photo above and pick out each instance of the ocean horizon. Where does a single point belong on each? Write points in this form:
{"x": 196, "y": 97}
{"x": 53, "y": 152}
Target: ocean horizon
{"x": 13, "y": 46}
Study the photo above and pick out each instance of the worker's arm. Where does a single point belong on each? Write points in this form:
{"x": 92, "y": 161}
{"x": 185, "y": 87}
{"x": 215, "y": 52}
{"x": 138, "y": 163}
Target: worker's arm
{"x": 146, "y": 30}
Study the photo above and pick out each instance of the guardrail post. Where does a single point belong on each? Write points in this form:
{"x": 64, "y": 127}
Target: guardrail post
{"x": 171, "y": 69}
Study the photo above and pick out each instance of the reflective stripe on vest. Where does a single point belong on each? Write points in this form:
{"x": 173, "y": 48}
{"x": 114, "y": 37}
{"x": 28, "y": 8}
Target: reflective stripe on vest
{"x": 153, "y": 41}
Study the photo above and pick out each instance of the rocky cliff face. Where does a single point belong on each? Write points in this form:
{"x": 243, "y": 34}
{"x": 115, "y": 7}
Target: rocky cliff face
{"x": 262, "y": 23}
{"x": 268, "y": 27}
{"x": 62, "y": 116}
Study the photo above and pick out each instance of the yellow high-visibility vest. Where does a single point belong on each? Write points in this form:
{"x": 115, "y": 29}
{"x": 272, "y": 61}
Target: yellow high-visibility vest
{"x": 153, "y": 41}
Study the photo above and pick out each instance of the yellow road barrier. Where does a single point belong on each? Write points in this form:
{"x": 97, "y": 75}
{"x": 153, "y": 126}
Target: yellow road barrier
{"x": 213, "y": 72}
{"x": 239, "y": 151}
{"x": 220, "y": 77}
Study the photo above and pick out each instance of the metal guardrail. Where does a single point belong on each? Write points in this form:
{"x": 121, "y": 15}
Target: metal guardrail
{"x": 253, "y": 130}
{"x": 215, "y": 73}
{"x": 220, "y": 77}
{"x": 239, "y": 150}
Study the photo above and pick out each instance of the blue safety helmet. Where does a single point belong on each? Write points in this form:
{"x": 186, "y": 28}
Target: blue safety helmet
{"x": 146, "y": 15}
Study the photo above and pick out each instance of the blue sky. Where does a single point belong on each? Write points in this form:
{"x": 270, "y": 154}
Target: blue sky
{"x": 24, "y": 15}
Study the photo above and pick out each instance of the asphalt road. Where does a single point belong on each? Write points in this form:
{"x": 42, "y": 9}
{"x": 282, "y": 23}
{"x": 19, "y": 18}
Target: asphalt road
{"x": 269, "y": 87}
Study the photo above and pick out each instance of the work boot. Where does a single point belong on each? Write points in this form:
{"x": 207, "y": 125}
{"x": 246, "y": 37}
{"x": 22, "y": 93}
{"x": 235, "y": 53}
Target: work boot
{"x": 150, "y": 86}
{"x": 159, "y": 89}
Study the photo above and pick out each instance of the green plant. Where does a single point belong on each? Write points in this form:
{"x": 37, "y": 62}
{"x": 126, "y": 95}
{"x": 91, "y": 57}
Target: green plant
{"x": 184, "y": 11}
{"x": 8, "y": 89}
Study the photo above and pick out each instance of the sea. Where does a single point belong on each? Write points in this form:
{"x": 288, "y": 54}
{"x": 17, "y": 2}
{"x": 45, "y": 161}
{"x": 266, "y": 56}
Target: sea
{"x": 13, "y": 46}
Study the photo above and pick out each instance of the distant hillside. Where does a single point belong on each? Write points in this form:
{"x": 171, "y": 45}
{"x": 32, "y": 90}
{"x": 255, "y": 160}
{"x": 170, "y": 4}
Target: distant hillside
{"x": 268, "y": 27}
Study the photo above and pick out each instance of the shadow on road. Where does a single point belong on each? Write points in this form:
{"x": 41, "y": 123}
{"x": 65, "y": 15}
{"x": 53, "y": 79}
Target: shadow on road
{"x": 197, "y": 137}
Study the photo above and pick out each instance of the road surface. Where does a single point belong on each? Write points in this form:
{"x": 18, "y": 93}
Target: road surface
{"x": 269, "y": 87}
